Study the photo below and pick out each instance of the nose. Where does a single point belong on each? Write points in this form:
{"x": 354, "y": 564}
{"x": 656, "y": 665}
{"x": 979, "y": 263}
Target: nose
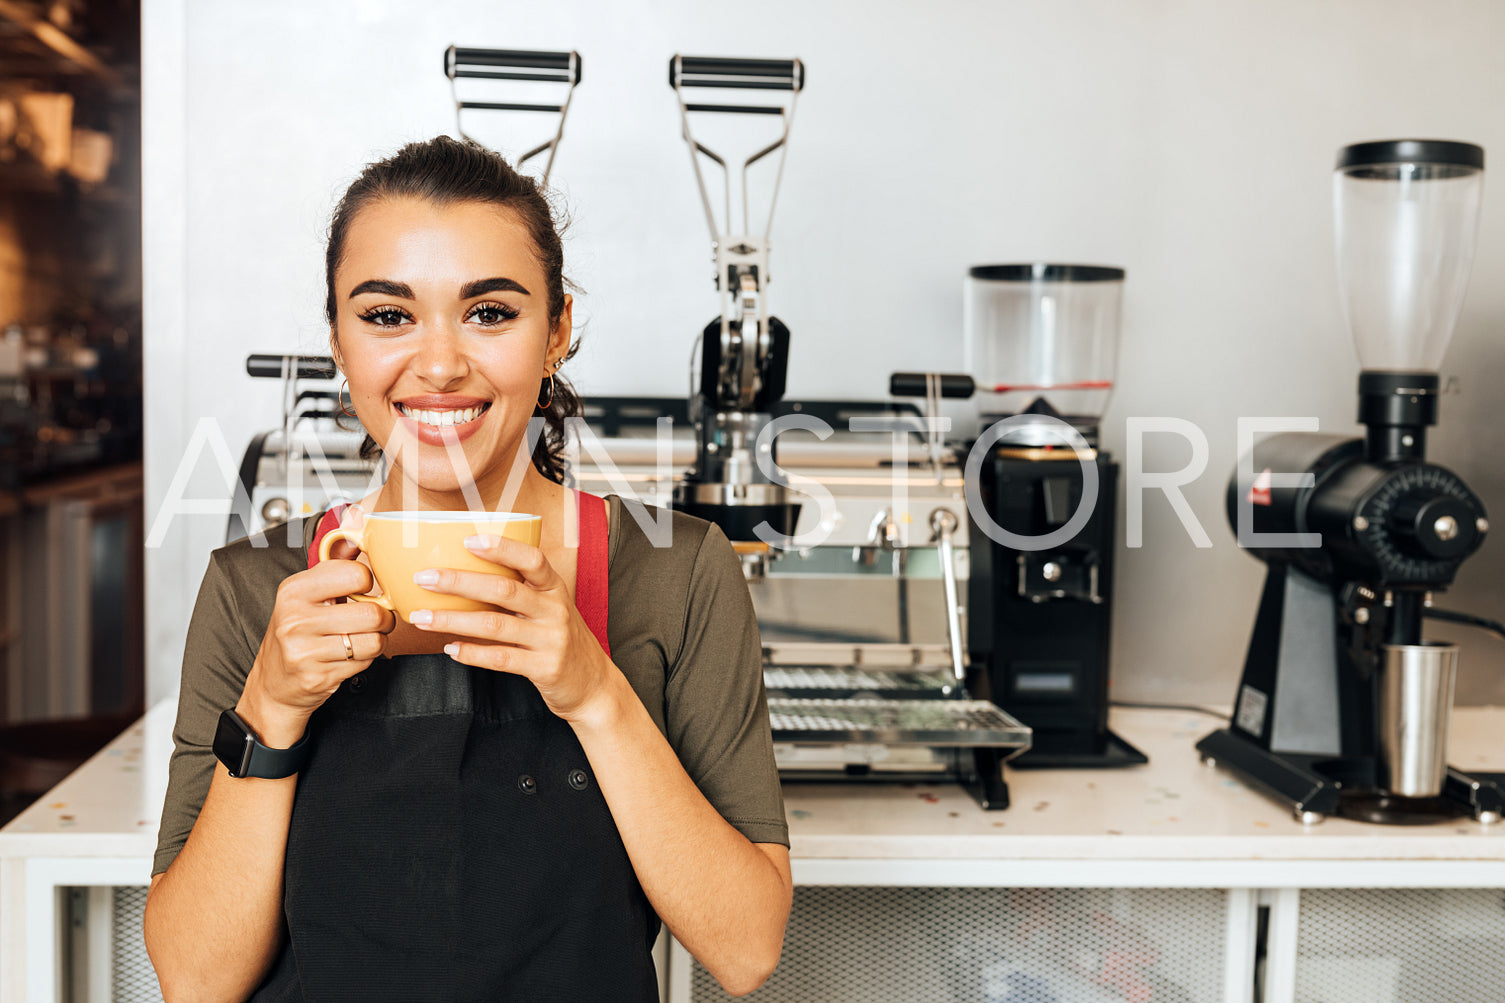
{"x": 440, "y": 358}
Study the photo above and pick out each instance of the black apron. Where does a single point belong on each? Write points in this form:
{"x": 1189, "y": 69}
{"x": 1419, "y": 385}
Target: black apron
{"x": 448, "y": 842}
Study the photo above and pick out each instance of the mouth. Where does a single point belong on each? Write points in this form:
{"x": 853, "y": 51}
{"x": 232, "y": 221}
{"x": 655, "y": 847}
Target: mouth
{"x": 448, "y": 416}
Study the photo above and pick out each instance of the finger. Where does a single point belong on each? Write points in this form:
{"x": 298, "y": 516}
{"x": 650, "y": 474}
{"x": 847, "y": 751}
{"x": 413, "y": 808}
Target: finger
{"x": 496, "y": 657}
{"x": 332, "y": 579}
{"x": 354, "y": 517}
{"x": 333, "y": 618}
{"x": 492, "y": 626}
{"x": 355, "y": 617}
{"x": 357, "y": 648}
{"x": 524, "y": 558}
{"x": 494, "y": 590}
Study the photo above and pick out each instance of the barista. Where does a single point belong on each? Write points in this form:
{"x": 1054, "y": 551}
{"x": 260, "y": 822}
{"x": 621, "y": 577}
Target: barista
{"x": 477, "y": 805}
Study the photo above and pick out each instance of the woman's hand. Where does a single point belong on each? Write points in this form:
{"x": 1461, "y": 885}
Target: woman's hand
{"x": 536, "y": 631}
{"x": 303, "y": 657}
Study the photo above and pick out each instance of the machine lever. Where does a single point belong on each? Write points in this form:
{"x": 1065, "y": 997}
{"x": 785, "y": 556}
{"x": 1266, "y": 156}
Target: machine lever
{"x": 943, "y": 524}
{"x": 756, "y": 74}
{"x": 514, "y": 64}
{"x": 462, "y": 62}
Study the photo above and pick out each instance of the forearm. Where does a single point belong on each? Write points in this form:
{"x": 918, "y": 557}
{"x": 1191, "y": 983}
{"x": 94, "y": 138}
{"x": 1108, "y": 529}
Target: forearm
{"x": 213, "y": 923}
{"x": 720, "y": 895}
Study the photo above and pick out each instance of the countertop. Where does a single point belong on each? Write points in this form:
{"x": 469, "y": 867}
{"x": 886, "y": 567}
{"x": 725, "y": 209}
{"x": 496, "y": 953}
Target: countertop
{"x": 110, "y": 806}
{"x": 1175, "y": 808}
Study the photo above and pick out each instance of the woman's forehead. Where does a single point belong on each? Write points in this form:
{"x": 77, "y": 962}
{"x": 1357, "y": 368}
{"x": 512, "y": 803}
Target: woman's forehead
{"x": 408, "y": 240}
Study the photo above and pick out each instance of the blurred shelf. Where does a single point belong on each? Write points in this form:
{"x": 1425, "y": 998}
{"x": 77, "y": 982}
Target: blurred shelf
{"x": 32, "y": 46}
{"x": 27, "y": 177}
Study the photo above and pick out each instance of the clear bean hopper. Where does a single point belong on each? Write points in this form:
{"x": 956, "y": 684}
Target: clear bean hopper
{"x": 1042, "y": 339}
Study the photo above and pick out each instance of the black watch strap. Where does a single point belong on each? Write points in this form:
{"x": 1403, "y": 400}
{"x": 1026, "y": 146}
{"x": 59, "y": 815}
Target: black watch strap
{"x": 238, "y": 747}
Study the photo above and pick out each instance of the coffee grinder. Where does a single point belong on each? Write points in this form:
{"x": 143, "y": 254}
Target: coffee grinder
{"x": 1041, "y": 352}
{"x": 1343, "y": 705}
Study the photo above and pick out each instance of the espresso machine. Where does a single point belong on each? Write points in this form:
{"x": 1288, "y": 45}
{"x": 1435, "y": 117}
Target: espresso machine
{"x": 311, "y": 459}
{"x": 862, "y": 615}
{"x": 854, "y": 540}
{"x": 1041, "y": 354}
{"x": 1343, "y": 705}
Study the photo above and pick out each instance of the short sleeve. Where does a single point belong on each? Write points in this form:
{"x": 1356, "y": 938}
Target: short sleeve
{"x": 216, "y": 660}
{"x": 716, "y": 710}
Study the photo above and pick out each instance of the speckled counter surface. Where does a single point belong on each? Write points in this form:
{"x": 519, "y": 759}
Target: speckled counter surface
{"x": 110, "y": 806}
{"x": 1174, "y": 808}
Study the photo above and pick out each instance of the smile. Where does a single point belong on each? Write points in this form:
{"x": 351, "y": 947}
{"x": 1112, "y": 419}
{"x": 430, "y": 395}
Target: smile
{"x": 441, "y": 419}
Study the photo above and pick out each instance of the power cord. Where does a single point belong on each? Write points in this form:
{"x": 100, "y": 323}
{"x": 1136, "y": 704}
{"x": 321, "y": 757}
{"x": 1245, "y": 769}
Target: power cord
{"x": 1483, "y": 623}
{"x": 1193, "y": 708}
{"x": 1453, "y": 616}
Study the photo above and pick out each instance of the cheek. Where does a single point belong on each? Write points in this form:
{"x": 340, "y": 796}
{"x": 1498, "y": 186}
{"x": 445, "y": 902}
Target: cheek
{"x": 372, "y": 371}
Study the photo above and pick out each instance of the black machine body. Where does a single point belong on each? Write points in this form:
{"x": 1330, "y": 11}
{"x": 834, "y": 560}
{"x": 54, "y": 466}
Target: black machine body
{"x": 1041, "y": 623}
{"x": 743, "y": 374}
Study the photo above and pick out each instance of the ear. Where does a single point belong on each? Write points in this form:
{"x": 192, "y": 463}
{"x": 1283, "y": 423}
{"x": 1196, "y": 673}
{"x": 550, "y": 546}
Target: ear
{"x": 559, "y": 338}
{"x": 334, "y": 350}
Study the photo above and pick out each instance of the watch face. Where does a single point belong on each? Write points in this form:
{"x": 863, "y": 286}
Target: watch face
{"x": 232, "y": 743}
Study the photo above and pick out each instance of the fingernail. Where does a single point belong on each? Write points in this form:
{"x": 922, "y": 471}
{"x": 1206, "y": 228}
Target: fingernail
{"x": 421, "y": 617}
{"x": 484, "y": 541}
{"x": 426, "y": 577}
{"x": 452, "y": 650}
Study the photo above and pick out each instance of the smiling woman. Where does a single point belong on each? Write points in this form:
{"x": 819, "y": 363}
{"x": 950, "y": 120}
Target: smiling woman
{"x": 441, "y": 175}
{"x": 465, "y": 804}
{"x": 440, "y": 344}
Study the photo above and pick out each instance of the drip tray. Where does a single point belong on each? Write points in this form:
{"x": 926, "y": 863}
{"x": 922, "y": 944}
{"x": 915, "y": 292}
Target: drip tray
{"x": 975, "y": 723}
{"x": 823, "y": 683}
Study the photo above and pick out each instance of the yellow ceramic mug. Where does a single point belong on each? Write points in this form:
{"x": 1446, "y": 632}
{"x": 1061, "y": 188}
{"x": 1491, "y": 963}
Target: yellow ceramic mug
{"x": 401, "y": 544}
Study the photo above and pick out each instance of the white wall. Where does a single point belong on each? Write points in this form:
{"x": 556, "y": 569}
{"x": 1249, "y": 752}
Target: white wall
{"x": 1190, "y": 142}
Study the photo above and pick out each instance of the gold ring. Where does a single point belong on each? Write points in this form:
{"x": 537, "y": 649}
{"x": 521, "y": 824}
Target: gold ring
{"x": 349, "y": 648}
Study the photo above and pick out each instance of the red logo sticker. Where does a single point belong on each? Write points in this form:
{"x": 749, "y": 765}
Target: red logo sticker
{"x": 1259, "y": 491}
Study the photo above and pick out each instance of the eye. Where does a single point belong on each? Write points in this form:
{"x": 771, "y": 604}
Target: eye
{"x": 491, "y": 314}
{"x": 385, "y": 316}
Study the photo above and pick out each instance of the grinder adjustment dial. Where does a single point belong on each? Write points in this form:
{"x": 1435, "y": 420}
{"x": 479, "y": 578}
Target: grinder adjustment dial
{"x": 1422, "y": 520}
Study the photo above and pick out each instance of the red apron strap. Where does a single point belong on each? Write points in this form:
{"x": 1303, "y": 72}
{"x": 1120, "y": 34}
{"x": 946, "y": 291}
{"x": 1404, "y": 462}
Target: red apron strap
{"x": 590, "y": 566}
{"x": 327, "y": 525}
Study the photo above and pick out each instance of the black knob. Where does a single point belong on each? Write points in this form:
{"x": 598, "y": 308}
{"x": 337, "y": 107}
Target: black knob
{"x": 1439, "y": 527}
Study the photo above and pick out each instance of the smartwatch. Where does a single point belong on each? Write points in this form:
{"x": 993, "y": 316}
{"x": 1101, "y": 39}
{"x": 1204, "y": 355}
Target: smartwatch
{"x": 237, "y": 746}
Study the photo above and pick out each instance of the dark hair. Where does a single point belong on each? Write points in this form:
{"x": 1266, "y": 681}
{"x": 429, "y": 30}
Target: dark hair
{"x": 446, "y": 171}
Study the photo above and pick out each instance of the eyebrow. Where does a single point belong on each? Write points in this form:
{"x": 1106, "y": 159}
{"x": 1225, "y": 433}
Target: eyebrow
{"x": 470, "y": 290}
{"x": 385, "y": 287}
{"x": 481, "y": 287}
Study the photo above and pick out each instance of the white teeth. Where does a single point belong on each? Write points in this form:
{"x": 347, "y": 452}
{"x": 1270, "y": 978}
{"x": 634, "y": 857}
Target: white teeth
{"x": 440, "y": 419}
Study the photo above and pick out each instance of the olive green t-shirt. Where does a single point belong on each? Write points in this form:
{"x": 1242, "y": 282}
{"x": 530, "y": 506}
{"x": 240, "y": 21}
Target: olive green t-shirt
{"x": 681, "y": 628}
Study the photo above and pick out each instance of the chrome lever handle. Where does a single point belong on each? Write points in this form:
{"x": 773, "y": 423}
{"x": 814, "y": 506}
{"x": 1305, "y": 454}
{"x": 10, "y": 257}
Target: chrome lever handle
{"x": 943, "y": 523}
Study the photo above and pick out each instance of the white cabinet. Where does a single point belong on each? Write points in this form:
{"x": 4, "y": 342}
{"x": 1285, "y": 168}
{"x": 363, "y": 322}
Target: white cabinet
{"x": 1171, "y": 883}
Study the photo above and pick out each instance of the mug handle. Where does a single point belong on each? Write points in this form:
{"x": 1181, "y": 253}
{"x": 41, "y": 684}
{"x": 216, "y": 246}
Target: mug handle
{"x": 327, "y": 544}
